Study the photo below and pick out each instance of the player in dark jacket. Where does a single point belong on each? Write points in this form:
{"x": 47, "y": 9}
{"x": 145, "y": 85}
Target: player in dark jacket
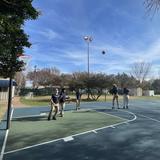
{"x": 78, "y": 99}
{"x": 54, "y": 105}
{"x": 62, "y": 99}
{"x": 114, "y": 92}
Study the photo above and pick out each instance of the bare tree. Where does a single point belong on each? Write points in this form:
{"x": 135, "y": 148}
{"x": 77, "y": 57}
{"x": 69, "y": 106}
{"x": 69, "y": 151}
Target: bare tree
{"x": 152, "y": 5}
{"x": 140, "y": 71}
{"x": 20, "y": 80}
{"x": 45, "y": 77}
{"x": 159, "y": 74}
{"x": 124, "y": 79}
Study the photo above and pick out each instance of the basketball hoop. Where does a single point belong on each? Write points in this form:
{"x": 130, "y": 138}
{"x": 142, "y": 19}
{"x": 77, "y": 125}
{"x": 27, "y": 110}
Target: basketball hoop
{"x": 20, "y": 54}
{"x": 25, "y": 58}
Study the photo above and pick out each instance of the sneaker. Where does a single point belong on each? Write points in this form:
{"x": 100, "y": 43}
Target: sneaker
{"x": 123, "y": 107}
{"x": 61, "y": 115}
{"x": 54, "y": 118}
{"x": 126, "y": 107}
{"x": 49, "y": 119}
{"x": 112, "y": 107}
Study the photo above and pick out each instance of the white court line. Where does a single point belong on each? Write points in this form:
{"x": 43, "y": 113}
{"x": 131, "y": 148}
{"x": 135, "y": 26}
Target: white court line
{"x": 70, "y": 138}
{"x": 29, "y": 116}
{"x": 135, "y": 117}
{"x": 36, "y": 145}
{"x": 112, "y": 115}
{"x": 43, "y": 114}
{"x": 153, "y": 119}
{"x": 5, "y": 139}
{"x": 112, "y": 127}
{"x": 4, "y": 144}
{"x": 95, "y": 130}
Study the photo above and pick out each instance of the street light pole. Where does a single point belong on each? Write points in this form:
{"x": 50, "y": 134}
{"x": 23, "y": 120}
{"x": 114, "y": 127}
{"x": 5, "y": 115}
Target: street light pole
{"x": 88, "y": 57}
{"x": 35, "y": 76}
{"x": 88, "y": 39}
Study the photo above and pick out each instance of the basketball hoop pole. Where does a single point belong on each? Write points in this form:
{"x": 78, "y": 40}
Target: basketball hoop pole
{"x": 9, "y": 101}
{"x": 9, "y": 98}
{"x": 10, "y": 95}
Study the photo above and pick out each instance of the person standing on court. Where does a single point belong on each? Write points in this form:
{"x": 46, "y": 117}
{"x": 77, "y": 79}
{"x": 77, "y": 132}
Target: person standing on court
{"x": 114, "y": 92}
{"x": 78, "y": 99}
{"x": 54, "y": 105}
{"x": 62, "y": 99}
{"x": 125, "y": 97}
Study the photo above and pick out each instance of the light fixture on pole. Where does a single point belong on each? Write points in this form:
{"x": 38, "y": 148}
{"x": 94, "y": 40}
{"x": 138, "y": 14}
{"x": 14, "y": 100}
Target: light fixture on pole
{"x": 88, "y": 39}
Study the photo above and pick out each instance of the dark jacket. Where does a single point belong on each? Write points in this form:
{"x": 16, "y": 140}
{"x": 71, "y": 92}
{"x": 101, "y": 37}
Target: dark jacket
{"x": 55, "y": 98}
{"x": 125, "y": 91}
{"x": 114, "y": 90}
{"x": 78, "y": 95}
{"x": 62, "y": 97}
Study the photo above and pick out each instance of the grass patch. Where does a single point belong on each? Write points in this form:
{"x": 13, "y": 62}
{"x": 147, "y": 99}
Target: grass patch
{"x": 45, "y": 100}
{"x": 157, "y": 97}
{"x": 36, "y": 101}
{"x": 22, "y": 133}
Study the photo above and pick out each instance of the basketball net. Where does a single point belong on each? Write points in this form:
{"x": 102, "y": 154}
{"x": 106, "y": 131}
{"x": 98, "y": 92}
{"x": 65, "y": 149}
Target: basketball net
{"x": 26, "y": 59}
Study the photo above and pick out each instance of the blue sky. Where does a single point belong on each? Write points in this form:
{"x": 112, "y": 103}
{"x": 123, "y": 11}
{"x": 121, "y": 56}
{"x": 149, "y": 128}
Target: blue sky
{"x": 120, "y": 27}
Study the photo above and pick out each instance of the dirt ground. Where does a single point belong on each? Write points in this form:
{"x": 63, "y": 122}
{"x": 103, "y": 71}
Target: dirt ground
{"x": 17, "y": 103}
{"x": 3, "y": 109}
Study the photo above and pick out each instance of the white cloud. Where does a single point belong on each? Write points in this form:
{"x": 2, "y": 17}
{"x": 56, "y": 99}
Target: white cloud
{"x": 76, "y": 57}
{"x": 118, "y": 58}
{"x": 49, "y": 34}
{"x": 125, "y": 41}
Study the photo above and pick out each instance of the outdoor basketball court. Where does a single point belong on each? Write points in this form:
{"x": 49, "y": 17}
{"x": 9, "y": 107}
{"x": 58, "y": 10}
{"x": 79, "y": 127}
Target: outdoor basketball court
{"x": 96, "y": 132}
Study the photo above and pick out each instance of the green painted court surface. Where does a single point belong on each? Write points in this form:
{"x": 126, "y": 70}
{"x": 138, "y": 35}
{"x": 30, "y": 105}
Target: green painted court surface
{"x": 35, "y": 130}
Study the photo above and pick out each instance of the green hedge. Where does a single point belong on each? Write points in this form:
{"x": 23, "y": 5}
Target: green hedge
{"x": 40, "y": 92}
{"x": 36, "y": 92}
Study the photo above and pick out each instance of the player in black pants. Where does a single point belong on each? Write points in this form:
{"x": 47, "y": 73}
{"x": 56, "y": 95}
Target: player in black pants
{"x": 54, "y": 105}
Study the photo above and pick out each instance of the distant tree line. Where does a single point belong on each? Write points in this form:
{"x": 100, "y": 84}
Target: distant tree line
{"x": 97, "y": 83}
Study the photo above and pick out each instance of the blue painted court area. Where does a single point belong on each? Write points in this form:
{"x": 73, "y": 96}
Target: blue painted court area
{"x": 135, "y": 138}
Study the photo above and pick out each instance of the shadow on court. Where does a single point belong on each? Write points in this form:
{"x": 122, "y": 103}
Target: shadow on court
{"x": 30, "y": 119}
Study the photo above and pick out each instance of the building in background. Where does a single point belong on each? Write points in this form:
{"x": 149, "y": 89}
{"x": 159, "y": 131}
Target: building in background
{"x": 4, "y": 88}
{"x": 148, "y": 93}
{"x": 141, "y": 92}
{"x": 136, "y": 91}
